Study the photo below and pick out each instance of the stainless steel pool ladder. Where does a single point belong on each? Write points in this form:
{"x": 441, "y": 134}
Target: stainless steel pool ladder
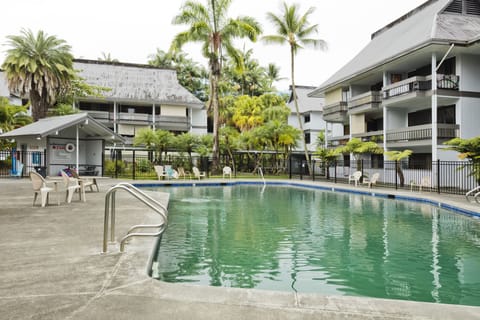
{"x": 475, "y": 193}
{"x": 110, "y": 215}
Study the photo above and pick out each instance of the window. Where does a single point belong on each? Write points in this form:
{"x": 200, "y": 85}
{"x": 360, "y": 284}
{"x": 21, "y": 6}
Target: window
{"x": 307, "y": 137}
{"x": 420, "y": 161}
{"x": 306, "y": 118}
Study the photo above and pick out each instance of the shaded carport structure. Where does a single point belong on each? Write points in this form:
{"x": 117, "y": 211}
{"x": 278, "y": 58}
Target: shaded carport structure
{"x": 52, "y": 144}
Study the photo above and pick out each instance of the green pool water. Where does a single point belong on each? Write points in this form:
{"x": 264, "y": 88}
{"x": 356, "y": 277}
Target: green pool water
{"x": 305, "y": 240}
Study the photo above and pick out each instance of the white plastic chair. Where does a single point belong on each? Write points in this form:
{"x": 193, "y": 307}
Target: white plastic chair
{"x": 197, "y": 174}
{"x": 40, "y": 186}
{"x": 72, "y": 185}
{"x": 160, "y": 172}
{"x": 227, "y": 171}
{"x": 355, "y": 177}
{"x": 372, "y": 181}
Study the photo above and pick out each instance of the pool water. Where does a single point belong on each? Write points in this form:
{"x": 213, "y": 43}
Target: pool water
{"x": 306, "y": 240}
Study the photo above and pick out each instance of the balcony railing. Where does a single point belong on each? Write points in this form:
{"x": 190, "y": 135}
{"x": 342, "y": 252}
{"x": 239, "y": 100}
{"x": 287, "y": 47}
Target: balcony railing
{"x": 420, "y": 83}
{"x": 423, "y": 132}
{"x": 333, "y": 142}
{"x": 335, "y": 112}
{"x": 375, "y": 136}
{"x": 371, "y": 100}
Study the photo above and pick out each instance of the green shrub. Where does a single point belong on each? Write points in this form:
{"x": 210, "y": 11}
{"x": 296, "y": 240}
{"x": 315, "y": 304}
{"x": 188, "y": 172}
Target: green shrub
{"x": 143, "y": 165}
{"x": 110, "y": 167}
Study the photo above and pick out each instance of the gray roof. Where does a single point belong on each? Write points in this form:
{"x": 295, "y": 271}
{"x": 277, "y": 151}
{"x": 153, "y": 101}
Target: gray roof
{"x": 305, "y": 103}
{"x": 423, "y": 26}
{"x": 136, "y": 83}
{"x": 50, "y": 126}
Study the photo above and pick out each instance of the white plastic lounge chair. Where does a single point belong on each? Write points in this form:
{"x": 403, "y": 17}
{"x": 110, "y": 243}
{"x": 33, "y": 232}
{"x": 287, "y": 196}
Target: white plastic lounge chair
{"x": 160, "y": 173}
{"x": 40, "y": 186}
{"x": 424, "y": 183}
{"x": 183, "y": 173}
{"x": 227, "y": 171}
{"x": 171, "y": 173}
{"x": 197, "y": 174}
{"x": 355, "y": 177}
{"x": 372, "y": 181}
{"x": 71, "y": 185}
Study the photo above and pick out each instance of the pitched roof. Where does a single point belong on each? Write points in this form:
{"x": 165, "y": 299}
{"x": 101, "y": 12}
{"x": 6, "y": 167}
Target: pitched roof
{"x": 135, "y": 82}
{"x": 305, "y": 103}
{"x": 50, "y": 126}
{"x": 425, "y": 25}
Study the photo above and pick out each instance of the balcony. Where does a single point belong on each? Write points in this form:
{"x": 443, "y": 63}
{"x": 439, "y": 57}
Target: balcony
{"x": 420, "y": 135}
{"x": 333, "y": 142}
{"x": 375, "y": 136}
{"x": 369, "y": 101}
{"x": 172, "y": 123}
{"x": 335, "y": 112}
{"x": 417, "y": 88}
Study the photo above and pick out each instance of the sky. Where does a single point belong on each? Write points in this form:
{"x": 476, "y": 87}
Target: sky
{"x": 131, "y": 31}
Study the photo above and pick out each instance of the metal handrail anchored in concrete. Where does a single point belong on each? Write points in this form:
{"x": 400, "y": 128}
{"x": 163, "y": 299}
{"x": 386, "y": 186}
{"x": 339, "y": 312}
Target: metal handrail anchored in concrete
{"x": 110, "y": 215}
{"x": 475, "y": 193}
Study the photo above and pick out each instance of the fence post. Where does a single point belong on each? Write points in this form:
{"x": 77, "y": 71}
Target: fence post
{"x": 335, "y": 171}
{"x": 290, "y": 167}
{"x": 134, "y": 167}
{"x": 395, "y": 175}
{"x": 313, "y": 170}
{"x": 438, "y": 175}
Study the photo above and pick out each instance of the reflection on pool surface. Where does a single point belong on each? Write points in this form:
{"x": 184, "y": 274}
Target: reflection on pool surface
{"x": 306, "y": 240}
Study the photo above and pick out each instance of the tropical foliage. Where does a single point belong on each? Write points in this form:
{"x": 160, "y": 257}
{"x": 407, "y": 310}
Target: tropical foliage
{"x": 211, "y": 26}
{"x": 397, "y": 156}
{"x": 190, "y": 74}
{"x": 11, "y": 116}
{"x": 468, "y": 149}
{"x": 294, "y": 29}
{"x": 40, "y": 66}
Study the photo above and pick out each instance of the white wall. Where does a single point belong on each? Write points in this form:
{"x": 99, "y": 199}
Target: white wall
{"x": 396, "y": 118}
{"x": 199, "y": 121}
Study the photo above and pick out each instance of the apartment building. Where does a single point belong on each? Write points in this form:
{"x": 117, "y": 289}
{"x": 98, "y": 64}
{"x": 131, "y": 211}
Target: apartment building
{"x": 415, "y": 85}
{"x": 139, "y": 96}
{"x": 311, "y": 115}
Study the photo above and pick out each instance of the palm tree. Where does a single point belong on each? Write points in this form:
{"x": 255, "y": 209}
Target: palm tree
{"x": 211, "y": 26}
{"x": 41, "y": 66}
{"x": 12, "y": 117}
{"x": 107, "y": 57}
{"x": 295, "y": 30}
{"x": 273, "y": 74}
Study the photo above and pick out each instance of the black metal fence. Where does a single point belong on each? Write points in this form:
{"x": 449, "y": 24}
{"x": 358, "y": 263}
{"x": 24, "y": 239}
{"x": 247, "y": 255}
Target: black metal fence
{"x": 453, "y": 177}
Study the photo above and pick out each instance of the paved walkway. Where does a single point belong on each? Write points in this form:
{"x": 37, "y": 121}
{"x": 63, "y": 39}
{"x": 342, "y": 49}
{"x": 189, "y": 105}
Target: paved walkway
{"x": 51, "y": 268}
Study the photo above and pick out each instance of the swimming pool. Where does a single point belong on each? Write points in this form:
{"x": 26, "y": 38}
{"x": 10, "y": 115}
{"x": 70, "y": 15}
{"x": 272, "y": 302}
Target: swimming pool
{"x": 305, "y": 240}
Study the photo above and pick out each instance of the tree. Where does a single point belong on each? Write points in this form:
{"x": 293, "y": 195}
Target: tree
{"x": 397, "y": 156}
{"x": 467, "y": 149}
{"x": 358, "y": 148}
{"x": 295, "y": 30}
{"x": 155, "y": 140}
{"x": 191, "y": 75}
{"x": 186, "y": 142}
{"x": 41, "y": 66}
{"x": 12, "y": 117}
{"x": 211, "y": 26}
{"x": 107, "y": 57}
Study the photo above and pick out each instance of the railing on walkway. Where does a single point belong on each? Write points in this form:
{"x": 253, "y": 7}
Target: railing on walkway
{"x": 475, "y": 194}
{"x": 110, "y": 215}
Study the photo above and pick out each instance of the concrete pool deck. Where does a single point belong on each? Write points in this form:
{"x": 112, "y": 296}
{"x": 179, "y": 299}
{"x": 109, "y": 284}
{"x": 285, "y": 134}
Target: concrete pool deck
{"x": 51, "y": 267}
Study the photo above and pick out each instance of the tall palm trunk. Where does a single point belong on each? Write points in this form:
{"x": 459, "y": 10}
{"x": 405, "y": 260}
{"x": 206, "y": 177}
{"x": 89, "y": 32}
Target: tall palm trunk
{"x": 214, "y": 105}
{"x": 294, "y": 92}
{"x": 39, "y": 105}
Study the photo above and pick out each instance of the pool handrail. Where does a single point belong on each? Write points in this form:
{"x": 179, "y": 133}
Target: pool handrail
{"x": 110, "y": 214}
{"x": 475, "y": 192}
